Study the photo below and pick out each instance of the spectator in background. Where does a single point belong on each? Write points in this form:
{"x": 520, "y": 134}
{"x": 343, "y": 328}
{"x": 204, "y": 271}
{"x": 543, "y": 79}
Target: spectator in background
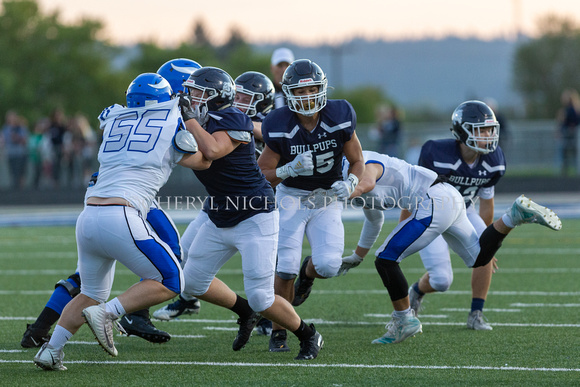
{"x": 390, "y": 129}
{"x": 281, "y": 59}
{"x": 39, "y": 150}
{"x": 79, "y": 150}
{"x": 56, "y": 132}
{"x": 14, "y": 140}
{"x": 568, "y": 120}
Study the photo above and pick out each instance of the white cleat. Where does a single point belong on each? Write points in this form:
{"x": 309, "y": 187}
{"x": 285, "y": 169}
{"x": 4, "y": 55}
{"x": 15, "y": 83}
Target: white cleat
{"x": 524, "y": 210}
{"x": 49, "y": 359}
{"x": 477, "y": 322}
{"x": 101, "y": 323}
{"x": 400, "y": 328}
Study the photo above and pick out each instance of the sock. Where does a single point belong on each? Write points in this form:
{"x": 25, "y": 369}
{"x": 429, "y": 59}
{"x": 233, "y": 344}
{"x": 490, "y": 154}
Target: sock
{"x": 46, "y": 319}
{"x": 59, "y": 337}
{"x": 416, "y": 289}
{"x": 507, "y": 220}
{"x": 115, "y": 307}
{"x": 477, "y": 304}
{"x": 401, "y": 313}
{"x": 60, "y": 297}
{"x": 304, "y": 332}
{"x": 242, "y": 308}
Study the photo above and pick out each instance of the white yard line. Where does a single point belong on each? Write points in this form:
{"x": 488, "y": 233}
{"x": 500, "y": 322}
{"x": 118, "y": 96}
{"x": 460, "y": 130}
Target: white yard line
{"x": 311, "y": 365}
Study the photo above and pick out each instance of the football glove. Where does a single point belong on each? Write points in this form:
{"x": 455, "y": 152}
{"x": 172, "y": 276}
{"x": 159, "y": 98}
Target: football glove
{"x": 189, "y": 112}
{"x": 344, "y": 188}
{"x": 349, "y": 262}
{"x": 302, "y": 165}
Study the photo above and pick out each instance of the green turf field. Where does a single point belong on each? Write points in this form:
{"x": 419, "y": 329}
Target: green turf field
{"x": 533, "y": 305}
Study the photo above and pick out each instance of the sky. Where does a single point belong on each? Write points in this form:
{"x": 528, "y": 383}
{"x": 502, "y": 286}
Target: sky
{"x": 310, "y": 22}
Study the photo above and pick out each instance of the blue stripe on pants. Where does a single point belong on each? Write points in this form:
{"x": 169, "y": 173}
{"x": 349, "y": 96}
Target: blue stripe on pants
{"x": 404, "y": 238}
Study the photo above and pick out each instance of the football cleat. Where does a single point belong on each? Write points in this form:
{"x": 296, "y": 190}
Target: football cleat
{"x": 278, "y": 341}
{"x": 135, "y": 324}
{"x": 101, "y": 323}
{"x": 264, "y": 327}
{"x": 400, "y": 328}
{"x": 303, "y": 284}
{"x": 309, "y": 348}
{"x": 415, "y": 299}
{"x": 34, "y": 338}
{"x": 477, "y": 321}
{"x": 49, "y": 358}
{"x": 247, "y": 325}
{"x": 176, "y": 309}
{"x": 524, "y": 210}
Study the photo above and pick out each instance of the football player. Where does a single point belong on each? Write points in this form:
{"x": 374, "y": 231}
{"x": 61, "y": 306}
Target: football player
{"x": 138, "y": 323}
{"x": 112, "y": 226}
{"x": 473, "y": 163}
{"x": 254, "y": 97}
{"x": 305, "y": 142}
{"x": 430, "y": 208}
{"x": 241, "y": 214}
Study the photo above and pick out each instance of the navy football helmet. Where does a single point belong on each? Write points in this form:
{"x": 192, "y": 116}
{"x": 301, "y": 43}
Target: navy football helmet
{"x": 148, "y": 89}
{"x": 468, "y": 119}
{"x": 176, "y": 71}
{"x": 301, "y": 73}
{"x": 216, "y": 88}
{"x": 261, "y": 91}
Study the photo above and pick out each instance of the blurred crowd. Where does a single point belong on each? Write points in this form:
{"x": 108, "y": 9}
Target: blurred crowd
{"x": 54, "y": 152}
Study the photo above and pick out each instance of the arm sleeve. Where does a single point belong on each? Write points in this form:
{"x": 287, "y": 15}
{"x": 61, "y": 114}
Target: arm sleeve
{"x": 371, "y": 228}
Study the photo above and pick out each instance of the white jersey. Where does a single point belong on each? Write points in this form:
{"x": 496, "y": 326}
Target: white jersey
{"x": 136, "y": 156}
{"x": 401, "y": 185}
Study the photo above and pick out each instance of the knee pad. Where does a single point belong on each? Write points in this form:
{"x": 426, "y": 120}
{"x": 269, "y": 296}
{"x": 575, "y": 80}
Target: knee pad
{"x": 260, "y": 299}
{"x": 328, "y": 268}
{"x": 72, "y": 284}
{"x": 286, "y": 276}
{"x": 393, "y": 278}
{"x": 440, "y": 283}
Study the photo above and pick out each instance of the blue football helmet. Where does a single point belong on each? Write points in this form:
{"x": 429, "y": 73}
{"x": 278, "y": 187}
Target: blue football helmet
{"x": 212, "y": 87}
{"x": 148, "y": 89}
{"x": 176, "y": 71}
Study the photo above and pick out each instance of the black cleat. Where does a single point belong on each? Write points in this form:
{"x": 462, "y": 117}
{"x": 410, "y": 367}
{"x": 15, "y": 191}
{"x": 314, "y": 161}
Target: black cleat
{"x": 264, "y": 327}
{"x": 34, "y": 338}
{"x": 303, "y": 284}
{"x": 246, "y": 327}
{"x": 136, "y": 324}
{"x": 278, "y": 341}
{"x": 309, "y": 348}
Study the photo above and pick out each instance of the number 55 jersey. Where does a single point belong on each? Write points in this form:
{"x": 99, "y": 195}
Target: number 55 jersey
{"x": 137, "y": 156}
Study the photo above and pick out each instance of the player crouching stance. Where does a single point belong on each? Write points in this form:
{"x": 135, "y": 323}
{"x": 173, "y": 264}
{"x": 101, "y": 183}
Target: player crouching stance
{"x": 429, "y": 208}
{"x": 112, "y": 226}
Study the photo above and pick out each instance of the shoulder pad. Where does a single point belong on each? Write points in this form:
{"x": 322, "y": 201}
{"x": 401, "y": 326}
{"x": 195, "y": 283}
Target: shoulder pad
{"x": 184, "y": 142}
{"x": 241, "y": 136}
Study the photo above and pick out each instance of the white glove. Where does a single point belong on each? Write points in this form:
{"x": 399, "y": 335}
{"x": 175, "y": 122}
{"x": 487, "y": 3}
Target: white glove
{"x": 344, "y": 188}
{"x": 349, "y": 262}
{"x": 302, "y": 165}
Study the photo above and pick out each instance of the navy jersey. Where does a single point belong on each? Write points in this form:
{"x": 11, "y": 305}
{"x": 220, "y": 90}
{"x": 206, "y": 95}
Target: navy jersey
{"x": 284, "y": 134}
{"x": 236, "y": 186}
{"x": 444, "y": 157}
